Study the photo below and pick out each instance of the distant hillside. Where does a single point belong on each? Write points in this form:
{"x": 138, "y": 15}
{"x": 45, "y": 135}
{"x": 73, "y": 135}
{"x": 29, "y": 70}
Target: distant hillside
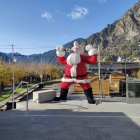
{"x": 4, "y": 57}
{"x": 47, "y": 57}
{"x": 50, "y": 56}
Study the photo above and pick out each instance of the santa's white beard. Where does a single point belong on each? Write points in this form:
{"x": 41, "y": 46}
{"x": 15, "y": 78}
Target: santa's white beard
{"x": 73, "y": 59}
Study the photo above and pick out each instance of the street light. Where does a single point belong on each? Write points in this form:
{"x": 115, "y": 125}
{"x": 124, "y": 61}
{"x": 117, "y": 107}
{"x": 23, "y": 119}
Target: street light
{"x": 41, "y": 75}
{"x": 13, "y": 73}
{"x": 101, "y": 94}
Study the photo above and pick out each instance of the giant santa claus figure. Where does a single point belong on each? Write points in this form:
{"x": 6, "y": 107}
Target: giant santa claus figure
{"x": 75, "y": 69}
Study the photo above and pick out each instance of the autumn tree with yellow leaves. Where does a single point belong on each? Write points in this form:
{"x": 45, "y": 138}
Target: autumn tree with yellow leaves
{"x": 28, "y": 72}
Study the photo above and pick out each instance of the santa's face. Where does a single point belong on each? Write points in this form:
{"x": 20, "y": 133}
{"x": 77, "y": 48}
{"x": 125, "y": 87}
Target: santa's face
{"x": 77, "y": 49}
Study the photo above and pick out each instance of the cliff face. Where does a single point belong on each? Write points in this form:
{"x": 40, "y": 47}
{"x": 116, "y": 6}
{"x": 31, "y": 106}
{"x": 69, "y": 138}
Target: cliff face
{"x": 123, "y": 31}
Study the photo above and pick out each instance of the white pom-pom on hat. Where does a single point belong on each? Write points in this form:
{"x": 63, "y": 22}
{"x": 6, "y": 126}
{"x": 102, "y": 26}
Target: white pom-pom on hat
{"x": 76, "y": 44}
{"x": 77, "y": 48}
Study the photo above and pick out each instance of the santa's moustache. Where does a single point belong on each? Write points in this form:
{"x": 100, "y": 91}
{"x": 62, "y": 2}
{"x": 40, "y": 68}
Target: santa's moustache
{"x": 73, "y": 59}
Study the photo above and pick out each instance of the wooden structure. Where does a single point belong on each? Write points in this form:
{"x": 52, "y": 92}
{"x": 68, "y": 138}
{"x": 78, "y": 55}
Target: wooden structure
{"x": 95, "y": 86}
{"x": 114, "y": 82}
{"x": 111, "y": 85}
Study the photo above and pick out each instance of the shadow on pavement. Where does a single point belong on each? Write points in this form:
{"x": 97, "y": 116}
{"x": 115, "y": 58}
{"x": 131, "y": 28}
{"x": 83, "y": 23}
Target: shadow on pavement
{"x": 63, "y": 124}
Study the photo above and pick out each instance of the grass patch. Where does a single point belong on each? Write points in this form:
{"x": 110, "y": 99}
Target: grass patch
{"x": 17, "y": 91}
{"x": 1, "y": 99}
{"x": 30, "y": 84}
{"x": 5, "y": 96}
{"x": 20, "y": 89}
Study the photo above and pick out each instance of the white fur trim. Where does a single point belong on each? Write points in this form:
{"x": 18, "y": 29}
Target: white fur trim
{"x": 75, "y": 80}
{"x": 73, "y": 71}
{"x": 73, "y": 59}
{"x": 61, "y": 54}
{"x": 92, "y": 52}
{"x": 60, "y": 48}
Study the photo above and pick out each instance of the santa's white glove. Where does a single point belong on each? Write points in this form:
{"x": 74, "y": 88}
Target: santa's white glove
{"x": 91, "y": 50}
{"x": 60, "y": 50}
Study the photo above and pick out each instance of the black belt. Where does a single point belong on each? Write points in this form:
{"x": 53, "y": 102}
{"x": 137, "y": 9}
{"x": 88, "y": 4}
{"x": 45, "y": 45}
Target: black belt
{"x": 78, "y": 76}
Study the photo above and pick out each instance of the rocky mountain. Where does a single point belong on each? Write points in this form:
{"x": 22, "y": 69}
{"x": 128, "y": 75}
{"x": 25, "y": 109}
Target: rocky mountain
{"x": 123, "y": 34}
{"x": 127, "y": 29}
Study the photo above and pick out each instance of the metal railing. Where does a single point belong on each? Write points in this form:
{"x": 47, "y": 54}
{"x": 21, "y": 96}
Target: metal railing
{"x": 132, "y": 89}
{"x": 13, "y": 99}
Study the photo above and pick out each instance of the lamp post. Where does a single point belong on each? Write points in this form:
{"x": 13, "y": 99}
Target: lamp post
{"x": 99, "y": 65}
{"x": 13, "y": 73}
{"x": 126, "y": 64}
{"x": 41, "y": 75}
{"x": 101, "y": 94}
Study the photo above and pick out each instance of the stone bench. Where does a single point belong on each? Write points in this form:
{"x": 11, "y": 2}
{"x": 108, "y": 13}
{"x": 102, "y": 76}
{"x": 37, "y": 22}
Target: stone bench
{"x": 43, "y": 95}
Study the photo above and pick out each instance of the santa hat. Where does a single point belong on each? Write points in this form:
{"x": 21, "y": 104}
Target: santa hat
{"x": 77, "y": 48}
{"x": 76, "y": 44}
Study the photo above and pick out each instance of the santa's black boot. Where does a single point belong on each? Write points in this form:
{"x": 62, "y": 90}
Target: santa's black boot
{"x": 90, "y": 98}
{"x": 63, "y": 95}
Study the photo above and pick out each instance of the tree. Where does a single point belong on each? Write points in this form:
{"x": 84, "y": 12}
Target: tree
{"x": 135, "y": 53}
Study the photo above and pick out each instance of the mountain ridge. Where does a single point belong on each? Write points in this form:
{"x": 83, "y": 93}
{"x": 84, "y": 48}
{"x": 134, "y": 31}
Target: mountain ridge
{"x": 122, "y": 34}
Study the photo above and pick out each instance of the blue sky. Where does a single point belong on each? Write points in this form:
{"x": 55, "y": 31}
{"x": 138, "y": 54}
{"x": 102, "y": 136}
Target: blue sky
{"x": 37, "y": 26}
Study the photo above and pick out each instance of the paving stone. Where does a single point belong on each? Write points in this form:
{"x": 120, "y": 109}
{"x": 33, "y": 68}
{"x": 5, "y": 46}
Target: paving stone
{"x": 72, "y": 120}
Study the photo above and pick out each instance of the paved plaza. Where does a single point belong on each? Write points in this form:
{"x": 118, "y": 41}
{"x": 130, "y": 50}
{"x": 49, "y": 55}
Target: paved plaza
{"x": 74, "y": 119}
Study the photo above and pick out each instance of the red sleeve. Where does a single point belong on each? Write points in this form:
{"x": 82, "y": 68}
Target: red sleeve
{"x": 89, "y": 59}
{"x": 61, "y": 60}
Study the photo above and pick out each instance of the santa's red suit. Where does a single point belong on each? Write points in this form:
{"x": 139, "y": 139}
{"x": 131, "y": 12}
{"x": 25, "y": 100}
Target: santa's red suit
{"x": 75, "y": 69}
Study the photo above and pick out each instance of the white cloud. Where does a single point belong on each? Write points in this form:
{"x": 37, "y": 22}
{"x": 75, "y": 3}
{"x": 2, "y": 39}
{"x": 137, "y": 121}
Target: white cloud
{"x": 47, "y": 15}
{"x": 78, "y": 13}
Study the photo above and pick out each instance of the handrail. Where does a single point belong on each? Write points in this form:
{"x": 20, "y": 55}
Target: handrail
{"x": 28, "y": 90}
{"x": 22, "y": 82}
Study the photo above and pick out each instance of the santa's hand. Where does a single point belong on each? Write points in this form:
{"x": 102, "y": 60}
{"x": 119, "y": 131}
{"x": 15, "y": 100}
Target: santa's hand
{"x": 88, "y": 47}
{"x": 91, "y": 50}
{"x": 60, "y": 50}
